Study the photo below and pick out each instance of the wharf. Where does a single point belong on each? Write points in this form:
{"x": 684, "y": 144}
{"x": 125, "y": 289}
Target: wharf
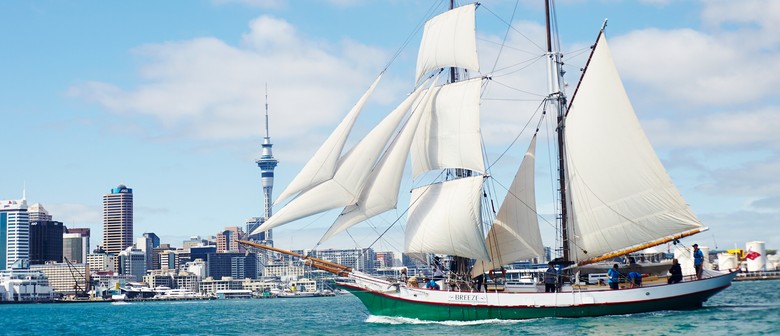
{"x": 758, "y": 275}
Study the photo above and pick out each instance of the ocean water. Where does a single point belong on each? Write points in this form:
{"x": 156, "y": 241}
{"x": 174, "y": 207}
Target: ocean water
{"x": 745, "y": 308}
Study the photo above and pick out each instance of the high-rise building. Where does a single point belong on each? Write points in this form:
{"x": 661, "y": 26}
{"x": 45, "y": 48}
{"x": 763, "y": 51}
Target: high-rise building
{"x": 227, "y": 241}
{"x": 118, "y": 219}
{"x": 14, "y": 232}
{"x": 73, "y": 248}
{"x": 236, "y": 265}
{"x": 99, "y": 260}
{"x": 147, "y": 243}
{"x": 45, "y": 236}
{"x": 85, "y": 234}
{"x": 132, "y": 261}
{"x": 267, "y": 163}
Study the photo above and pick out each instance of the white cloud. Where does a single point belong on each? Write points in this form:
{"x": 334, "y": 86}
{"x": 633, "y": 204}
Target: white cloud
{"x": 206, "y": 88}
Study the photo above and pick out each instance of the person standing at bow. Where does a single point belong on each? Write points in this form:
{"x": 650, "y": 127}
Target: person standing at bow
{"x": 698, "y": 260}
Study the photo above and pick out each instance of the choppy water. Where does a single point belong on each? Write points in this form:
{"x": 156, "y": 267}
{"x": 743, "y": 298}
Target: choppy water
{"x": 746, "y": 308}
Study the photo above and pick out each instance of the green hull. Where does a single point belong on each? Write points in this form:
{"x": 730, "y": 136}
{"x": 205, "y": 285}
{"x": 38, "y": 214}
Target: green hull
{"x": 383, "y": 305}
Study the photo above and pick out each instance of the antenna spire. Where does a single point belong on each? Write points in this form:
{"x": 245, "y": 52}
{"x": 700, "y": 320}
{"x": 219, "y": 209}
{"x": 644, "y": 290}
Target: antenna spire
{"x": 267, "y": 135}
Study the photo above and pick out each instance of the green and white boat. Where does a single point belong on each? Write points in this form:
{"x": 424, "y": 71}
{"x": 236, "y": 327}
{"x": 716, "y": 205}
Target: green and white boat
{"x": 615, "y": 197}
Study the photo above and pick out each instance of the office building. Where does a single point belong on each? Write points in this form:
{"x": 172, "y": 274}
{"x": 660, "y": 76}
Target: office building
{"x": 66, "y": 279}
{"x": 118, "y": 219}
{"x": 227, "y": 240}
{"x": 45, "y": 236}
{"x": 359, "y": 259}
{"x": 194, "y": 241}
{"x": 99, "y": 260}
{"x": 147, "y": 243}
{"x": 85, "y": 235}
{"x": 236, "y": 265}
{"x": 74, "y": 248}
{"x": 14, "y": 232}
{"x": 132, "y": 261}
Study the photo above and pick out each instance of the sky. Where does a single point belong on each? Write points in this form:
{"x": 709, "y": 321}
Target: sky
{"x": 169, "y": 97}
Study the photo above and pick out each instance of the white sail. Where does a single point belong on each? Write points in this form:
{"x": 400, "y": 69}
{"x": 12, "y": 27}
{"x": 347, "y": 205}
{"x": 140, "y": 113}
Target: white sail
{"x": 350, "y": 176}
{"x": 449, "y": 134}
{"x": 449, "y": 40}
{"x": 381, "y": 191}
{"x": 620, "y": 193}
{"x": 515, "y": 232}
{"x": 322, "y": 164}
{"x": 445, "y": 218}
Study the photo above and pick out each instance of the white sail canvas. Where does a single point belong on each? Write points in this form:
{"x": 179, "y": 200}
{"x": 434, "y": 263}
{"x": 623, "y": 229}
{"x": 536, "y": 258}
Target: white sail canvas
{"x": 620, "y": 193}
{"x": 449, "y": 40}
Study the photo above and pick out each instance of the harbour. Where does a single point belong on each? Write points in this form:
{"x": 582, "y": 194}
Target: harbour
{"x": 745, "y": 308}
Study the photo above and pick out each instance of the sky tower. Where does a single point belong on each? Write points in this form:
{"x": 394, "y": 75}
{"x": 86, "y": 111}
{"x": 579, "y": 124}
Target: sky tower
{"x": 267, "y": 163}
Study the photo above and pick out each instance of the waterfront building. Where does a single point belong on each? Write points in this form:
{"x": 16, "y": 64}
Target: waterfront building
{"x": 288, "y": 269}
{"x": 211, "y": 286}
{"x": 359, "y": 259}
{"x": 65, "y": 279}
{"x": 74, "y": 247}
{"x": 14, "y": 232}
{"x": 236, "y": 265}
{"x": 227, "y": 240}
{"x": 45, "y": 237}
{"x": 266, "y": 163}
{"x": 107, "y": 283}
{"x": 132, "y": 261}
{"x": 188, "y": 281}
{"x": 118, "y": 219}
{"x": 25, "y": 285}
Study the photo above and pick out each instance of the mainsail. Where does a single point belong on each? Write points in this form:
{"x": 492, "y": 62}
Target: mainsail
{"x": 515, "y": 232}
{"x": 621, "y": 195}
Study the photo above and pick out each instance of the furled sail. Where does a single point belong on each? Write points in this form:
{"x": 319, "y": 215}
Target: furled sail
{"x": 449, "y": 134}
{"x": 445, "y": 218}
{"x": 350, "y": 176}
{"x": 621, "y": 195}
{"x": 449, "y": 40}
{"x": 381, "y": 191}
{"x": 515, "y": 232}
{"x": 322, "y": 164}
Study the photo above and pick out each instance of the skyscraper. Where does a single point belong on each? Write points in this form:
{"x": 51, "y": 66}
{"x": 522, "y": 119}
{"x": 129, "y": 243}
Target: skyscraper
{"x": 45, "y": 236}
{"x": 267, "y": 163}
{"x": 14, "y": 232}
{"x": 118, "y": 219}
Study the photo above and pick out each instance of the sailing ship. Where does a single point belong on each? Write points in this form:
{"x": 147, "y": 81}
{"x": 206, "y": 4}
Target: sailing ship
{"x": 614, "y": 195}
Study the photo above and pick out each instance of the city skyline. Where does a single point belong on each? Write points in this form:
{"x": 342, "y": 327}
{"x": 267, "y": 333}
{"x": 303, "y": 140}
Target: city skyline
{"x": 173, "y": 107}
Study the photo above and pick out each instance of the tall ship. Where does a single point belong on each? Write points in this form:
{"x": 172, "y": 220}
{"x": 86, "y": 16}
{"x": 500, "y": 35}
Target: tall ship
{"x": 613, "y": 196}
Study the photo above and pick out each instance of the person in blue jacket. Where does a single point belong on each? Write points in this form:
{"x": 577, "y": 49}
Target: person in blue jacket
{"x": 614, "y": 276}
{"x": 634, "y": 279}
{"x": 431, "y": 284}
{"x": 698, "y": 260}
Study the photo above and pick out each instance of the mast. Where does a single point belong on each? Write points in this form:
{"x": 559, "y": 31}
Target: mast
{"x": 460, "y": 263}
{"x": 558, "y": 98}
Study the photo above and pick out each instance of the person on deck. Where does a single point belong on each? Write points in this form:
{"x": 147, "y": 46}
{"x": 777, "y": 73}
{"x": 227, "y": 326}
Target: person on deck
{"x": 404, "y": 276}
{"x": 550, "y": 278}
{"x": 698, "y": 260}
{"x": 479, "y": 280}
{"x": 634, "y": 279}
{"x": 431, "y": 284}
{"x": 438, "y": 269}
{"x": 614, "y": 276}
{"x": 675, "y": 272}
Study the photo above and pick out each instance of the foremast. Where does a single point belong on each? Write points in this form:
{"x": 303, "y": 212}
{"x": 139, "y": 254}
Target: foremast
{"x": 557, "y": 97}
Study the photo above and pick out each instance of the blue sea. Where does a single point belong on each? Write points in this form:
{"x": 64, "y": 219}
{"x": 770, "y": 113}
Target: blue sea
{"x": 745, "y": 308}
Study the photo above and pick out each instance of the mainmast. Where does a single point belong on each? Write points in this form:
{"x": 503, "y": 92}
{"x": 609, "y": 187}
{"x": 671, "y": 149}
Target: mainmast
{"x": 558, "y": 98}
